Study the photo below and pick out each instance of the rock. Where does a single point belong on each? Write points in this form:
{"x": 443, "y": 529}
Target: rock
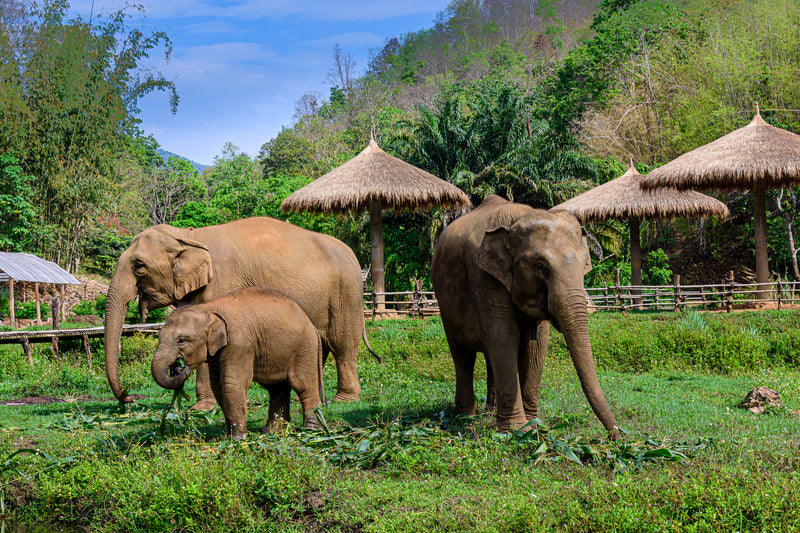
{"x": 757, "y": 400}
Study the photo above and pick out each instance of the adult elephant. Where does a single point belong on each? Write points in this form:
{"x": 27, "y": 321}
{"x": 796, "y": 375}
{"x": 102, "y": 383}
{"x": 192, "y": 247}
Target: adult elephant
{"x": 165, "y": 266}
{"x": 501, "y": 274}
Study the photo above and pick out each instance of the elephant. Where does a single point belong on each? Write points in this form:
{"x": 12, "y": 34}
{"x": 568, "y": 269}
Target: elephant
{"x": 165, "y": 265}
{"x": 502, "y": 273}
{"x": 248, "y": 335}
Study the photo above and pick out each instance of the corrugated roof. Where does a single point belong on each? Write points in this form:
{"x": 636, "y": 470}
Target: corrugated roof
{"x": 28, "y": 267}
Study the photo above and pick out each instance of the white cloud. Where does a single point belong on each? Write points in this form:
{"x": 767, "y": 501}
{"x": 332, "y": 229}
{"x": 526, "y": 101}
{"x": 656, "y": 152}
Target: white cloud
{"x": 267, "y": 9}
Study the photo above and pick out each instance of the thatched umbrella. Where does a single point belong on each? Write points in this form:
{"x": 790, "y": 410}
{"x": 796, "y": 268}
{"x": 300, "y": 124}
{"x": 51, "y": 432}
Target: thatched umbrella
{"x": 754, "y": 157}
{"x": 373, "y": 180}
{"x": 622, "y": 198}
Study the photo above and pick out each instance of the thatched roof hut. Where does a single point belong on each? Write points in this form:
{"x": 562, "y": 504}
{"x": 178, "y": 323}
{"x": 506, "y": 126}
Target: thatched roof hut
{"x": 753, "y": 157}
{"x": 375, "y": 175}
{"x": 623, "y": 199}
{"x": 373, "y": 180}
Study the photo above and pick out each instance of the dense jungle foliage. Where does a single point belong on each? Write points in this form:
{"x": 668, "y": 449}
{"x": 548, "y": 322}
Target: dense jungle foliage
{"x": 535, "y": 100}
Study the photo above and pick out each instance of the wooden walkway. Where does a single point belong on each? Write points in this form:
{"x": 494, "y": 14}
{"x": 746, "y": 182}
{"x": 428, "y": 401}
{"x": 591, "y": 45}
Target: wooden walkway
{"x": 26, "y": 338}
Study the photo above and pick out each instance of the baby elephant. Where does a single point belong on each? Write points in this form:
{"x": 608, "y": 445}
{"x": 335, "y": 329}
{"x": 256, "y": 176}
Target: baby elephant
{"x": 247, "y": 335}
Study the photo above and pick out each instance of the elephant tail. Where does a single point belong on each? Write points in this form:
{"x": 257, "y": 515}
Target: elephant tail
{"x": 366, "y": 343}
{"x": 320, "y": 363}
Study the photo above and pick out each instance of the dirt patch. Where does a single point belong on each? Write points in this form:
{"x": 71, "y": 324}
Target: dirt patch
{"x": 47, "y": 400}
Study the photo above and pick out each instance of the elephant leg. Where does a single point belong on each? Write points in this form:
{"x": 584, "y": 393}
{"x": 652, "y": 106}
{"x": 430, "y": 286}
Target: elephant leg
{"x": 345, "y": 353}
{"x": 491, "y": 392}
{"x": 531, "y": 363}
{"x": 279, "y": 396}
{"x": 216, "y": 386}
{"x": 304, "y": 380}
{"x": 205, "y": 395}
{"x": 234, "y": 394}
{"x": 464, "y": 360}
{"x": 502, "y": 348}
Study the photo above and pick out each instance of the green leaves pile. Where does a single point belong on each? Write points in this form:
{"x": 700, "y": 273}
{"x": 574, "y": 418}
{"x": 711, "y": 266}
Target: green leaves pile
{"x": 620, "y": 455}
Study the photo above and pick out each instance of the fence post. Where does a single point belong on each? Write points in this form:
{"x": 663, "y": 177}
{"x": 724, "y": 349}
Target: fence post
{"x": 374, "y": 303}
{"x": 605, "y": 294}
{"x": 780, "y": 290}
{"x": 55, "y": 312}
{"x": 703, "y": 297}
{"x": 729, "y": 293}
{"x": 88, "y": 351}
{"x": 677, "y": 289}
{"x": 26, "y": 348}
{"x": 417, "y": 298}
{"x": 616, "y": 289}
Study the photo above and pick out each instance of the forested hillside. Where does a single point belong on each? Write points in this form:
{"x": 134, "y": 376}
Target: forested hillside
{"x": 535, "y": 100}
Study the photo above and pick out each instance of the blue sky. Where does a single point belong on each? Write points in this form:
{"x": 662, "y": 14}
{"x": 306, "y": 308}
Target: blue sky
{"x": 240, "y": 65}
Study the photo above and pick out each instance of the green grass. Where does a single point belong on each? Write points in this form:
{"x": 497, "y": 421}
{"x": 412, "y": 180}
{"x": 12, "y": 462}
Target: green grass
{"x": 398, "y": 460}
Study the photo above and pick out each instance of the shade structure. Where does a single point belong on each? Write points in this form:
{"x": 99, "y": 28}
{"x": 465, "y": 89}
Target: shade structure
{"x": 753, "y": 158}
{"x": 623, "y": 199}
{"x": 373, "y": 180}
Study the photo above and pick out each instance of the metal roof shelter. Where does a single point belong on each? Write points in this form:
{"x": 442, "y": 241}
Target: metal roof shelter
{"x": 28, "y": 267}
{"x": 32, "y": 269}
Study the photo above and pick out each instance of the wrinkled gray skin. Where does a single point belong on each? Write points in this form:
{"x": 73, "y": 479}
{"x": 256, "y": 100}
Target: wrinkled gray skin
{"x": 248, "y": 335}
{"x": 502, "y": 273}
{"x": 165, "y": 266}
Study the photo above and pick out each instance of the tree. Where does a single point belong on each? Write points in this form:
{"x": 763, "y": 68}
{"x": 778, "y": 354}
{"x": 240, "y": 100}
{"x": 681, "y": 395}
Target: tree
{"x": 342, "y": 73}
{"x": 17, "y": 214}
{"x": 72, "y": 88}
{"x": 166, "y": 188}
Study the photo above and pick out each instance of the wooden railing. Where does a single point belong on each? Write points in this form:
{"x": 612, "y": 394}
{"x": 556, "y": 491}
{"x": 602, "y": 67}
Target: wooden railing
{"x": 27, "y": 337}
{"x": 722, "y": 296}
{"x": 726, "y": 295}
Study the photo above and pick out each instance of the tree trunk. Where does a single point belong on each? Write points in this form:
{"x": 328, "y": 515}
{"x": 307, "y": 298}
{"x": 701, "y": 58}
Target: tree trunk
{"x": 376, "y": 232}
{"x": 636, "y": 260}
{"x": 760, "y": 224}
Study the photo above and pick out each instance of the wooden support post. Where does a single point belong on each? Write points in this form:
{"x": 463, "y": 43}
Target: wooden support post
{"x": 55, "y": 312}
{"x": 62, "y": 308}
{"x": 729, "y": 293}
{"x": 38, "y": 305}
{"x": 26, "y": 348}
{"x": 11, "y": 311}
{"x": 677, "y": 289}
{"x": 88, "y": 350}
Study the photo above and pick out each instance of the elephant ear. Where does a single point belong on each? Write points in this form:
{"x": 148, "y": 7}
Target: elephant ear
{"x": 191, "y": 267}
{"x": 495, "y": 258}
{"x": 217, "y": 334}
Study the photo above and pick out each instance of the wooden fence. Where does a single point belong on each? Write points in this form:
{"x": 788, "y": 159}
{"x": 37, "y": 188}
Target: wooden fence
{"x": 726, "y": 295}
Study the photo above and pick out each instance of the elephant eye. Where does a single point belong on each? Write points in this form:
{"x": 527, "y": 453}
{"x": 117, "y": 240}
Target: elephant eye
{"x": 541, "y": 266}
{"x": 181, "y": 341}
{"x": 139, "y": 268}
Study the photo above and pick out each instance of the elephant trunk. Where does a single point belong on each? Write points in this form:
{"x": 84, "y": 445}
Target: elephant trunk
{"x": 572, "y": 318}
{"x": 169, "y": 371}
{"x": 121, "y": 291}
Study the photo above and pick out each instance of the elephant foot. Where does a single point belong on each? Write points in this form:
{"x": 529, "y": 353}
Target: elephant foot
{"x": 205, "y": 404}
{"x": 312, "y": 422}
{"x": 345, "y": 397}
{"x": 509, "y": 425}
{"x": 275, "y": 424}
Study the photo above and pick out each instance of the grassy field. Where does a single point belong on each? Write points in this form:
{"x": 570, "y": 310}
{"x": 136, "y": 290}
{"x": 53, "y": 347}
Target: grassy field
{"x": 398, "y": 460}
